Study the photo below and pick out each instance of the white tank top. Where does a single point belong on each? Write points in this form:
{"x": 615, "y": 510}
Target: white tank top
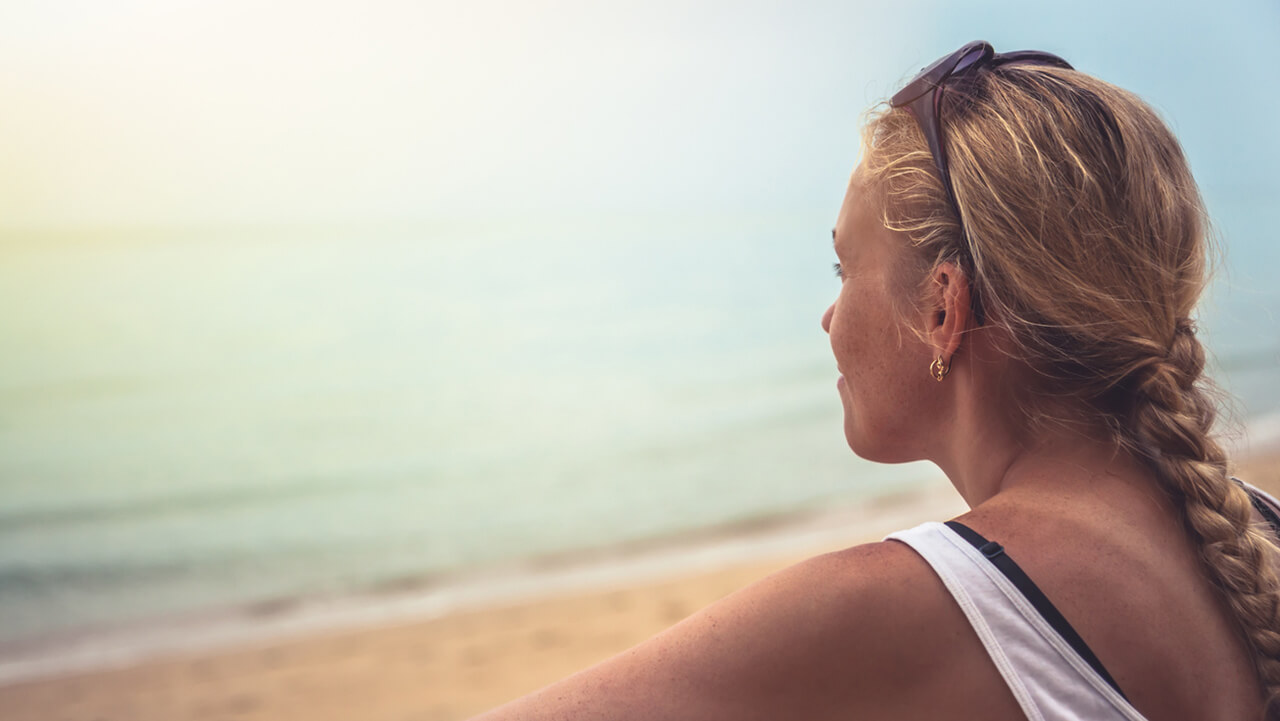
{"x": 1049, "y": 679}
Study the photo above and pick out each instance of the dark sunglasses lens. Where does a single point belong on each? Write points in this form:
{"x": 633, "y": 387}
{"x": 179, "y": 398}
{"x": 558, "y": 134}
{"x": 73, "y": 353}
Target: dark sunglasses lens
{"x": 968, "y": 60}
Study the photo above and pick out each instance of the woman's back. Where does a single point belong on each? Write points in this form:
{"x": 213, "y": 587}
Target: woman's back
{"x": 1113, "y": 557}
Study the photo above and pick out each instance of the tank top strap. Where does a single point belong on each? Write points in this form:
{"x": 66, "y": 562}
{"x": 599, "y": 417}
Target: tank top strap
{"x": 1049, "y": 678}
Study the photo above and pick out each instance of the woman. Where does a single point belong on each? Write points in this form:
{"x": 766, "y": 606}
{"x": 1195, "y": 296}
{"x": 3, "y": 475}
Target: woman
{"x": 1020, "y": 253}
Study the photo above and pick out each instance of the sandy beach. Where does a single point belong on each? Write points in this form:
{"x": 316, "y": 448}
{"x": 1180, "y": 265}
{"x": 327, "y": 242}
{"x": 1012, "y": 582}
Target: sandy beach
{"x": 458, "y": 663}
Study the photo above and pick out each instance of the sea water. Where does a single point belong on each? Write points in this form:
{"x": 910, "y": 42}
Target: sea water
{"x": 204, "y": 418}
{"x": 209, "y": 418}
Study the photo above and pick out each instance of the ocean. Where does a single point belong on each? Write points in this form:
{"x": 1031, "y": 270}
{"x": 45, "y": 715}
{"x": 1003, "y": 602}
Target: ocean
{"x": 194, "y": 420}
{"x": 227, "y": 418}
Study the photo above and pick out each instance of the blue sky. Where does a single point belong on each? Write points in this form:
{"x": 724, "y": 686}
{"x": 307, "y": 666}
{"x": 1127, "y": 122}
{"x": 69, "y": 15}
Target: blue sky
{"x": 202, "y": 112}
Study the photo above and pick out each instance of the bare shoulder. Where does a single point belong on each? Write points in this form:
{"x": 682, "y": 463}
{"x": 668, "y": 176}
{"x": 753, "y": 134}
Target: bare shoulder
{"x": 826, "y": 637}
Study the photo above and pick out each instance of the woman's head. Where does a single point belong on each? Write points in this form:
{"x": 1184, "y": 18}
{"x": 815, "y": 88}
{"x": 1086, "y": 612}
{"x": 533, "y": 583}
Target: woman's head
{"x": 1081, "y": 238}
{"x": 1082, "y": 229}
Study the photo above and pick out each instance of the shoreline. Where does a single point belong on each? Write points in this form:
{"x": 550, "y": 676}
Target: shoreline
{"x": 445, "y": 653}
{"x": 792, "y": 535}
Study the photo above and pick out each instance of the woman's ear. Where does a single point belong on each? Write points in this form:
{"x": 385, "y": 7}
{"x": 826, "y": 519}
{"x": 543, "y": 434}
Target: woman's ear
{"x": 950, "y": 313}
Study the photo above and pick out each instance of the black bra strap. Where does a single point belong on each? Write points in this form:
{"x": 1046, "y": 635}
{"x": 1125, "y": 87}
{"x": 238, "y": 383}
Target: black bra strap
{"x": 1001, "y": 560}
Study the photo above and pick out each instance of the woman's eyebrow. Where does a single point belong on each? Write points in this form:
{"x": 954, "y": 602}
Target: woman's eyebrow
{"x": 833, "y": 236}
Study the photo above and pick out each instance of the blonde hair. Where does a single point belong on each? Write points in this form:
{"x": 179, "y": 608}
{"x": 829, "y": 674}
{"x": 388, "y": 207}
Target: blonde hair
{"x": 1085, "y": 238}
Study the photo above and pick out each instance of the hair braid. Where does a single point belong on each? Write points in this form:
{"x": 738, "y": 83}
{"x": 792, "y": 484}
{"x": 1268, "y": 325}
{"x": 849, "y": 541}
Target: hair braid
{"x": 1171, "y": 422}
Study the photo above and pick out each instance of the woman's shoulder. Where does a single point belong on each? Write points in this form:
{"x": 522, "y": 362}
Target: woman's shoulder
{"x": 868, "y": 629}
{"x": 880, "y": 592}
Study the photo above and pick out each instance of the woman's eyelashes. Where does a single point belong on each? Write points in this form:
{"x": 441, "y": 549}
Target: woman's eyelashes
{"x": 839, "y": 271}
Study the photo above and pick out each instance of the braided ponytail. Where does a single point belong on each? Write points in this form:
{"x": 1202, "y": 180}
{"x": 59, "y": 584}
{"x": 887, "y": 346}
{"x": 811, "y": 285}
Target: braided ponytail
{"x": 1171, "y": 421}
{"x": 1084, "y": 234}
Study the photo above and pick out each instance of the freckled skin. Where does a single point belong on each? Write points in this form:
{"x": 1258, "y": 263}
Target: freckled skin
{"x": 886, "y": 385}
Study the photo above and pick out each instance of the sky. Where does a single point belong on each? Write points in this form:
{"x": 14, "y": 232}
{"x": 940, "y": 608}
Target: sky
{"x": 146, "y": 112}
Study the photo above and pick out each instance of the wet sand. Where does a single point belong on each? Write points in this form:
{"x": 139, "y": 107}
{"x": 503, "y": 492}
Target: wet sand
{"x": 455, "y": 665}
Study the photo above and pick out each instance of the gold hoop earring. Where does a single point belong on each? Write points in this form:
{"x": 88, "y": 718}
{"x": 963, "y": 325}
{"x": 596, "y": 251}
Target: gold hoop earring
{"x": 939, "y": 369}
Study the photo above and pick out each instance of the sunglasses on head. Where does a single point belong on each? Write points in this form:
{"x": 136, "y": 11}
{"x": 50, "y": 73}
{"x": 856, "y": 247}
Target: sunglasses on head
{"x": 923, "y": 95}
{"x": 923, "y": 98}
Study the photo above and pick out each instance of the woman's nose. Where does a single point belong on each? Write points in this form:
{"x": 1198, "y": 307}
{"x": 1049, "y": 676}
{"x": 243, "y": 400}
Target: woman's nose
{"x": 826, "y": 318}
